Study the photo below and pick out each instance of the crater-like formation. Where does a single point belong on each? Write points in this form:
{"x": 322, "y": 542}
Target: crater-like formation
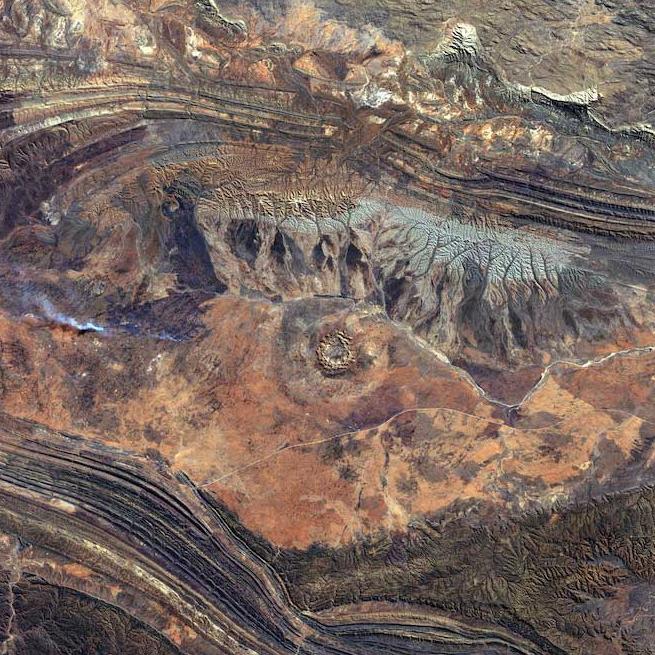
{"x": 334, "y": 353}
{"x": 327, "y": 328}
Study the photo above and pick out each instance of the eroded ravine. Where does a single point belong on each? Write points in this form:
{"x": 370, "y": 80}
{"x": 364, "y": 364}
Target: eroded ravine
{"x": 326, "y": 333}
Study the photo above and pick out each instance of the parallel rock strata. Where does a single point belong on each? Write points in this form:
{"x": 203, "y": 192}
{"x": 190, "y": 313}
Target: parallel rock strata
{"x": 326, "y": 329}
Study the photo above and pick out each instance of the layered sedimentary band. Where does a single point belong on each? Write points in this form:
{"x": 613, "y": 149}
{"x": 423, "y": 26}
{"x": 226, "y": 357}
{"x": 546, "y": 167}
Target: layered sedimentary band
{"x": 156, "y": 535}
{"x": 353, "y": 319}
{"x": 78, "y": 126}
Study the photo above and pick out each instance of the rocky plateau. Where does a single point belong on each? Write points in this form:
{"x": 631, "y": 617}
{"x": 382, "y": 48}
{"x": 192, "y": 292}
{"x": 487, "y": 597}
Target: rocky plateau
{"x": 327, "y": 327}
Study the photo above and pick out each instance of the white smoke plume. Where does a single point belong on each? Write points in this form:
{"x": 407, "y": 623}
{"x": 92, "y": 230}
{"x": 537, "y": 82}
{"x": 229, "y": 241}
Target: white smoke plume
{"x": 49, "y": 312}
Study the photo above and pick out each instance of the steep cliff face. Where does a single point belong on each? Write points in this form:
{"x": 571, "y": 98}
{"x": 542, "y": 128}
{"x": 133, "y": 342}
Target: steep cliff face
{"x": 322, "y": 334}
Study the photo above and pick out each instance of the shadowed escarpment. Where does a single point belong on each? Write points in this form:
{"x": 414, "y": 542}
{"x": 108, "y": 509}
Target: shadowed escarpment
{"x": 326, "y": 328}
{"x": 431, "y": 200}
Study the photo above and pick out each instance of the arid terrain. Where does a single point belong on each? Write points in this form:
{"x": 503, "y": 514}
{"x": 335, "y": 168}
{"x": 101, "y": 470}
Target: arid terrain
{"x": 327, "y": 328}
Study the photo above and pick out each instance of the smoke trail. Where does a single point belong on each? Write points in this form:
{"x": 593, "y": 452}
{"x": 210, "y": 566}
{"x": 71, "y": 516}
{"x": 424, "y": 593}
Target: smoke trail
{"x": 135, "y": 329}
{"x": 55, "y": 316}
{"x": 45, "y": 310}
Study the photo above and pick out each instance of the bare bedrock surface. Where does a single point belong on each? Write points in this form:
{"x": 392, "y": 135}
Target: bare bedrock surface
{"x": 327, "y": 328}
